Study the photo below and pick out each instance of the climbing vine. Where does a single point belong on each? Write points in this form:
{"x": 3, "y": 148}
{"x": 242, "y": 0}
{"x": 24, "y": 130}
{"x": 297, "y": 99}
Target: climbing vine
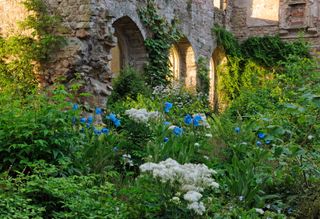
{"x": 164, "y": 35}
{"x": 203, "y": 76}
{"x": 250, "y": 62}
{"x": 20, "y": 54}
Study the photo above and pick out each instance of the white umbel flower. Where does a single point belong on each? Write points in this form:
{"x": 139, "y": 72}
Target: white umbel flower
{"x": 192, "y": 179}
{"x": 259, "y": 210}
{"x": 141, "y": 115}
{"x": 192, "y": 196}
{"x": 197, "y": 207}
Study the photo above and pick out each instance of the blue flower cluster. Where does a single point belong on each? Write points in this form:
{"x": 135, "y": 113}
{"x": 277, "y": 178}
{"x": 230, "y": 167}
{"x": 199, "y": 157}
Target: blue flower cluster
{"x": 262, "y": 136}
{"x": 195, "y": 120}
{"x": 114, "y": 119}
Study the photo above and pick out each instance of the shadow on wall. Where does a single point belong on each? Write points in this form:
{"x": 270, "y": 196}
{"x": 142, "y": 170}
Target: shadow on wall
{"x": 130, "y": 49}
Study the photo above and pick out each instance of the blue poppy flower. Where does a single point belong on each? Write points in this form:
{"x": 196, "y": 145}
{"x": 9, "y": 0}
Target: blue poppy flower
{"x": 268, "y": 141}
{"x": 117, "y": 123}
{"x": 98, "y": 111}
{"x": 75, "y": 106}
{"x": 166, "y": 123}
{"x": 105, "y": 131}
{"x": 188, "y": 119}
{"x": 167, "y": 106}
{"x": 113, "y": 118}
{"x": 97, "y": 132}
{"x": 258, "y": 143}
{"x": 177, "y": 131}
{"x": 237, "y": 130}
{"x": 90, "y": 119}
{"x": 166, "y": 139}
{"x": 196, "y": 120}
{"x": 83, "y": 120}
{"x": 261, "y": 135}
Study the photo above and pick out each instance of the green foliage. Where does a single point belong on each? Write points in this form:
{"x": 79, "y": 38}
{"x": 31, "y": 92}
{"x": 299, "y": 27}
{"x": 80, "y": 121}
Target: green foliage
{"x": 164, "y": 35}
{"x": 227, "y": 41}
{"x": 203, "y": 76}
{"x": 269, "y": 50}
{"x": 67, "y": 197}
{"x": 21, "y": 55}
{"x": 252, "y": 62}
{"x": 35, "y": 129}
{"x": 128, "y": 84}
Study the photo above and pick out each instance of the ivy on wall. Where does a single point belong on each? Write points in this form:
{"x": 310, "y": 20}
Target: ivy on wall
{"x": 250, "y": 62}
{"x": 164, "y": 35}
{"x": 203, "y": 76}
{"x": 20, "y": 55}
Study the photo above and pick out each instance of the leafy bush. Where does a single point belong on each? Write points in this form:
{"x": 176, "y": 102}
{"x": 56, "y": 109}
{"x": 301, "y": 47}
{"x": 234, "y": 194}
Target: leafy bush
{"x": 35, "y": 129}
{"x": 129, "y": 83}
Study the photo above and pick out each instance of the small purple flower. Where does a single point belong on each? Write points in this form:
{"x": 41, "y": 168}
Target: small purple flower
{"x": 188, "y": 119}
{"x": 83, "y": 120}
{"x": 75, "y": 106}
{"x": 167, "y": 106}
{"x": 166, "y": 140}
{"x": 261, "y": 135}
{"x": 237, "y": 129}
{"x": 98, "y": 111}
{"x": 177, "y": 131}
{"x": 258, "y": 143}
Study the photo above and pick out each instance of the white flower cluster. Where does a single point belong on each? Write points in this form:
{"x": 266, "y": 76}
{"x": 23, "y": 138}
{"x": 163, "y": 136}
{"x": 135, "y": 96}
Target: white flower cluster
{"x": 191, "y": 178}
{"x": 141, "y": 115}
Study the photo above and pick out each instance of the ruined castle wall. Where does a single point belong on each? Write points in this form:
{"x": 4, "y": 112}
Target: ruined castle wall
{"x": 87, "y": 26}
{"x": 287, "y": 18}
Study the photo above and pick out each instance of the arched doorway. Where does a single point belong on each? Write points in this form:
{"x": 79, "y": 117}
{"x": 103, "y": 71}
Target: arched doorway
{"x": 130, "y": 49}
{"x": 188, "y": 66}
{"x": 216, "y": 63}
{"x": 174, "y": 59}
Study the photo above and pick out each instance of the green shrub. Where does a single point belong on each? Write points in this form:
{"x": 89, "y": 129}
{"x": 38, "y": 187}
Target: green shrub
{"x": 37, "y": 128}
{"x": 129, "y": 83}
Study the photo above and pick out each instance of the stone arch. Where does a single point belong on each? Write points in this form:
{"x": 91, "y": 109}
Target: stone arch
{"x": 130, "y": 49}
{"x": 217, "y": 60}
{"x": 188, "y": 66}
{"x": 174, "y": 59}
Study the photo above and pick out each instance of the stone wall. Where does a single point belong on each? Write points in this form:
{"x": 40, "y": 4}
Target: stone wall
{"x": 93, "y": 27}
{"x": 287, "y": 18}
{"x": 11, "y": 11}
